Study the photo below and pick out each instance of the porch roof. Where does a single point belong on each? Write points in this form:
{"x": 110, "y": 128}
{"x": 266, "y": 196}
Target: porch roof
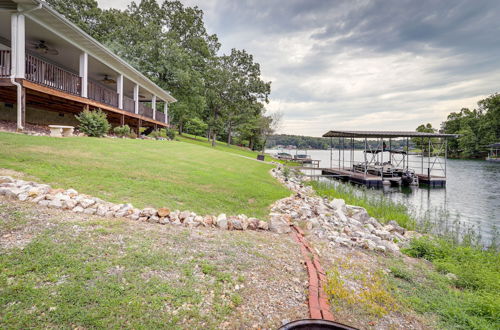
{"x": 63, "y": 28}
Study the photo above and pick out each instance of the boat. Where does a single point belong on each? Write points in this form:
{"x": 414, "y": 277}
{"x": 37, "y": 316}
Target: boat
{"x": 283, "y": 156}
{"x": 302, "y": 158}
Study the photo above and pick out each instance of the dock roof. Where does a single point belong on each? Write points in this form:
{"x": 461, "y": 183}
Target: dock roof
{"x": 384, "y": 134}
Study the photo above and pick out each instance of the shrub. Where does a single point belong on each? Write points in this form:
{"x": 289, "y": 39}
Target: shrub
{"x": 156, "y": 134}
{"x": 170, "y": 133}
{"x": 122, "y": 131}
{"x": 132, "y": 135}
{"x": 93, "y": 123}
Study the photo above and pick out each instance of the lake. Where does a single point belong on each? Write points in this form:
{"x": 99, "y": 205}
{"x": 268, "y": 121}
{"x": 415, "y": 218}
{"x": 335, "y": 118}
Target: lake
{"x": 471, "y": 196}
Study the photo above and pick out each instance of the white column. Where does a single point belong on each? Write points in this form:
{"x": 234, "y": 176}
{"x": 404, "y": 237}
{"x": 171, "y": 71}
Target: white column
{"x": 84, "y": 73}
{"x": 13, "y": 46}
{"x": 153, "y": 105}
{"x": 166, "y": 112}
{"x": 119, "y": 90}
{"x": 136, "y": 99}
{"x": 18, "y": 46}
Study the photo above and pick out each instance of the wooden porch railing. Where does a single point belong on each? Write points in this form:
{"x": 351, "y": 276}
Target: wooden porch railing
{"x": 4, "y": 63}
{"x": 128, "y": 104}
{"x": 102, "y": 94}
{"x": 160, "y": 116}
{"x": 44, "y": 73}
{"x": 145, "y": 110}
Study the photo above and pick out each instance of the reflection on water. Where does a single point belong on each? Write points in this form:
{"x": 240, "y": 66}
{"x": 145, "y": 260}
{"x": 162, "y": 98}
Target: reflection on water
{"x": 471, "y": 195}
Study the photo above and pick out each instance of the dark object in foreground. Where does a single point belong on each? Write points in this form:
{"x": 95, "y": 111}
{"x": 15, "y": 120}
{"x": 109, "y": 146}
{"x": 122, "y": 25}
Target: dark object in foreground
{"x": 260, "y": 157}
{"x": 311, "y": 324}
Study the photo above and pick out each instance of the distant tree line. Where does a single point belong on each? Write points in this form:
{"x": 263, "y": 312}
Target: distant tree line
{"x": 477, "y": 128}
{"x": 218, "y": 96}
{"x": 321, "y": 143}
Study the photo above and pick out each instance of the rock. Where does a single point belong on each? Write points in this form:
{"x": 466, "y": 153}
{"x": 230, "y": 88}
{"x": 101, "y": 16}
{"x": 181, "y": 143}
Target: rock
{"x": 369, "y": 227}
{"x": 90, "y": 211}
{"x": 78, "y": 209}
{"x": 22, "y": 196}
{"x": 368, "y": 244}
{"x": 383, "y": 234}
{"x": 6, "y": 179}
{"x": 146, "y": 212}
{"x": 360, "y": 214}
{"x": 38, "y": 190}
{"x": 102, "y": 210}
{"x": 71, "y": 193}
{"x": 341, "y": 216}
{"x": 380, "y": 248}
{"x": 13, "y": 192}
{"x": 222, "y": 222}
{"x": 86, "y": 202}
{"x": 208, "y": 220}
{"x": 184, "y": 215}
{"x": 56, "y": 204}
{"x": 163, "y": 212}
{"x": 396, "y": 227}
{"x": 263, "y": 225}
{"x": 253, "y": 223}
{"x": 154, "y": 219}
{"x": 236, "y": 224}
{"x": 69, "y": 204}
{"x": 278, "y": 224}
{"x": 338, "y": 204}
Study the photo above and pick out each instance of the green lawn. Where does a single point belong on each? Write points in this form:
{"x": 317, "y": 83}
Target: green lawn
{"x": 153, "y": 173}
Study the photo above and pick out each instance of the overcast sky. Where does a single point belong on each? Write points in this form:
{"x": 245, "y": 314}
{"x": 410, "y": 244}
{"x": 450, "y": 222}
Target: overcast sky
{"x": 363, "y": 64}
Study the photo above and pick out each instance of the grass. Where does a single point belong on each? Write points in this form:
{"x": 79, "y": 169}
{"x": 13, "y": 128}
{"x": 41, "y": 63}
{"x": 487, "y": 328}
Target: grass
{"x": 223, "y": 146}
{"x": 468, "y": 299}
{"x": 175, "y": 174}
{"x": 378, "y": 207}
{"x": 102, "y": 274}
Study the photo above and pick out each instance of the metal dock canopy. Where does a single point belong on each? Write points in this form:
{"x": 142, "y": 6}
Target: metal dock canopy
{"x": 385, "y": 134}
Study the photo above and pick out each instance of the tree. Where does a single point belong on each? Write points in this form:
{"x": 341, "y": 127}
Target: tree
{"x": 196, "y": 126}
{"x": 423, "y": 143}
{"x": 269, "y": 125}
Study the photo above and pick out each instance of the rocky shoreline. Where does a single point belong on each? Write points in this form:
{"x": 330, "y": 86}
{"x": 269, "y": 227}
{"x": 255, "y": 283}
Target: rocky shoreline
{"x": 340, "y": 224}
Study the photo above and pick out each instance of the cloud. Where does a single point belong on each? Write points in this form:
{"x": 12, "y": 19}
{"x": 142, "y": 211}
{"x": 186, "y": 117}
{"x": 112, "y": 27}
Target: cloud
{"x": 360, "y": 64}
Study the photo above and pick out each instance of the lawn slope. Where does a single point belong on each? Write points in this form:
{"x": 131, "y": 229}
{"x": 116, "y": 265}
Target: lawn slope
{"x": 175, "y": 174}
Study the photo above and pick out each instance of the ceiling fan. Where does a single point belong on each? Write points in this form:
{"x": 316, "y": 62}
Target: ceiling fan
{"x": 42, "y": 48}
{"x": 108, "y": 80}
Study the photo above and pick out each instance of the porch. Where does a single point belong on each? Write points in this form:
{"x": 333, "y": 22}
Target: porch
{"x": 48, "y": 63}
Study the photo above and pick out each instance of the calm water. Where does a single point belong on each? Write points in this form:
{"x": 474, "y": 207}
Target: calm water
{"x": 471, "y": 196}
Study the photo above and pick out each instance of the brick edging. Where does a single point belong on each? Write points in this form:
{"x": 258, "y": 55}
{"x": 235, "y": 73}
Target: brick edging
{"x": 319, "y": 308}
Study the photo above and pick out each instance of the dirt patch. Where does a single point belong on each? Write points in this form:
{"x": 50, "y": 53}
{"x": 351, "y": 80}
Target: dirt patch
{"x": 358, "y": 290}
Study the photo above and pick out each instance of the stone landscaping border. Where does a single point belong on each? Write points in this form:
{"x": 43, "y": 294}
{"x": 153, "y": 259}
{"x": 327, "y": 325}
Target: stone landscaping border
{"x": 71, "y": 200}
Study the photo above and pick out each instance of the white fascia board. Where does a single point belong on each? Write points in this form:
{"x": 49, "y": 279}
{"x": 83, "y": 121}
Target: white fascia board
{"x": 127, "y": 70}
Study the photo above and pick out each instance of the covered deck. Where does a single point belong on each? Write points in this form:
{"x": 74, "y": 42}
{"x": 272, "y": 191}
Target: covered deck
{"x": 48, "y": 63}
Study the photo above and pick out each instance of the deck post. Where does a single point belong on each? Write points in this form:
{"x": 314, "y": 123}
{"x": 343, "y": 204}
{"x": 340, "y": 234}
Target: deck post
{"x": 122, "y": 120}
{"x": 119, "y": 90}
{"x": 139, "y": 122}
{"x": 136, "y": 99}
{"x": 153, "y": 105}
{"x": 366, "y": 160}
{"x": 429, "y": 158}
{"x": 22, "y": 106}
{"x": 331, "y": 152}
{"x": 84, "y": 72}
{"x": 166, "y": 112}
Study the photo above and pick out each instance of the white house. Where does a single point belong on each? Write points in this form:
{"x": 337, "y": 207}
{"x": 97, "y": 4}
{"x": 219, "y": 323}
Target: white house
{"x": 50, "y": 69}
